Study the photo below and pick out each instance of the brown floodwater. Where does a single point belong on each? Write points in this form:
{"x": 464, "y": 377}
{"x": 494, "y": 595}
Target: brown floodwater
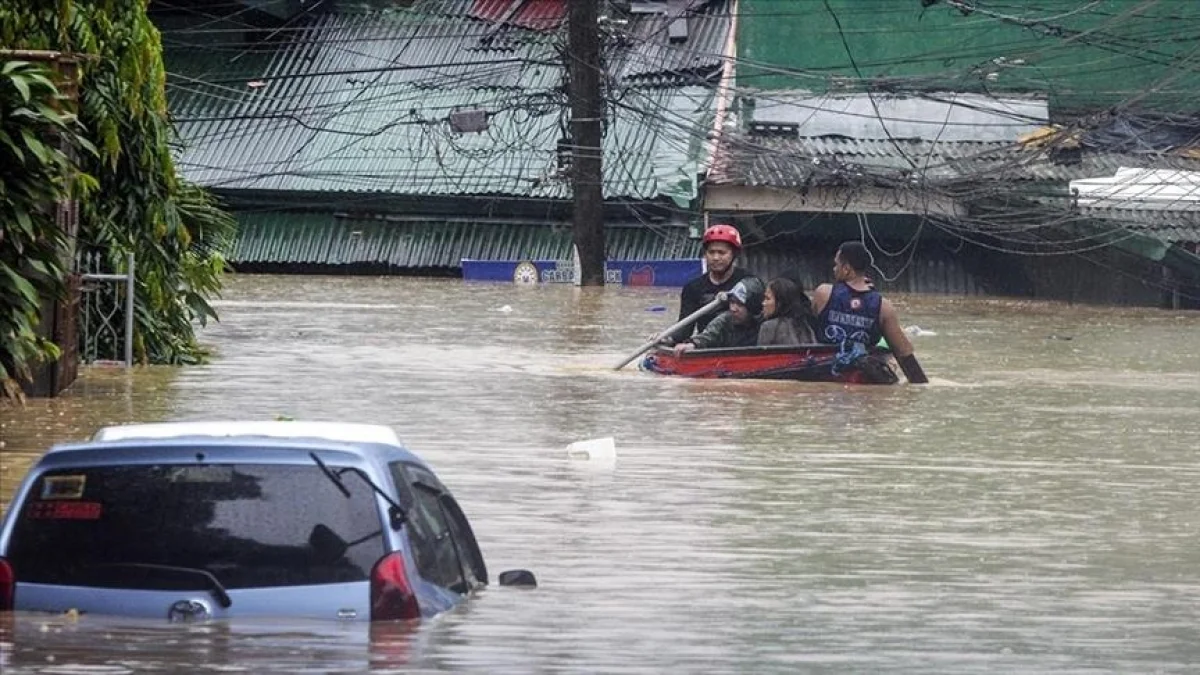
{"x": 1035, "y": 509}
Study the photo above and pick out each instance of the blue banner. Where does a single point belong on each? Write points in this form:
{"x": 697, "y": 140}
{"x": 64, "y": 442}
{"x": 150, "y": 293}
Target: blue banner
{"x": 623, "y": 272}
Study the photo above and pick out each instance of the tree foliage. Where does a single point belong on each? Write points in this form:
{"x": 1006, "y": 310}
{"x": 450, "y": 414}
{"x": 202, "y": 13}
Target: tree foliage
{"x": 35, "y": 174}
{"x": 175, "y": 230}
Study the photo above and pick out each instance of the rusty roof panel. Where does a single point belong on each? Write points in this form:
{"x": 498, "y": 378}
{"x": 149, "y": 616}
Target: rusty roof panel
{"x": 531, "y": 14}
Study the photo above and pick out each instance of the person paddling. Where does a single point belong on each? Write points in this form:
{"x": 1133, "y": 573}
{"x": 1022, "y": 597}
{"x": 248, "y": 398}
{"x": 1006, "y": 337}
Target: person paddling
{"x": 721, "y": 245}
{"x": 854, "y": 315}
{"x": 735, "y": 327}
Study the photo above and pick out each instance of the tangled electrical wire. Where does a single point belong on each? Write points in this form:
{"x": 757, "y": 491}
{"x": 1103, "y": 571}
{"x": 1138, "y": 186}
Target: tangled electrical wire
{"x": 360, "y": 102}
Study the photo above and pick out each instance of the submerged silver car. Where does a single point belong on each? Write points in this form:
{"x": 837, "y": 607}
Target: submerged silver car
{"x": 191, "y": 521}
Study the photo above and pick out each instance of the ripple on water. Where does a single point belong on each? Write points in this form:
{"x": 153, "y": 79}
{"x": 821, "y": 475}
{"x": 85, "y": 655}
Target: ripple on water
{"x": 1032, "y": 511}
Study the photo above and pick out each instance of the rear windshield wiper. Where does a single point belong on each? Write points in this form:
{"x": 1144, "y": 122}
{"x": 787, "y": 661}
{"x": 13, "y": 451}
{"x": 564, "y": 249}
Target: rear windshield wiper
{"x": 214, "y": 584}
{"x": 395, "y": 511}
{"x": 336, "y": 479}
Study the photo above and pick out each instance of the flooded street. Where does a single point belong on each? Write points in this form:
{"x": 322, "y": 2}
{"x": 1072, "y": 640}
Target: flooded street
{"x": 1036, "y": 509}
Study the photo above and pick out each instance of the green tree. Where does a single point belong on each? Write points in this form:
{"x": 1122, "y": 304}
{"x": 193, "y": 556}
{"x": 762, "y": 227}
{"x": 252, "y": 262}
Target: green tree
{"x": 175, "y": 230}
{"x": 35, "y": 173}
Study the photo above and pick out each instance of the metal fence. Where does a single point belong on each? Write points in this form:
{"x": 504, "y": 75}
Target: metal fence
{"x": 106, "y": 311}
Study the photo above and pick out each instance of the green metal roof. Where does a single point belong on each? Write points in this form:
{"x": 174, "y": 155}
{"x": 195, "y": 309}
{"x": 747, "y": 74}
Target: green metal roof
{"x": 359, "y": 102}
{"x": 329, "y": 240}
{"x": 1084, "y": 55}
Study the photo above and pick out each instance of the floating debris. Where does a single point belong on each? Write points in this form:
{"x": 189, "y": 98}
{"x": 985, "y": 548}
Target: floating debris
{"x": 596, "y": 450}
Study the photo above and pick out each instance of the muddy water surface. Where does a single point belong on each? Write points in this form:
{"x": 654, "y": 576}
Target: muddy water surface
{"x": 1034, "y": 510}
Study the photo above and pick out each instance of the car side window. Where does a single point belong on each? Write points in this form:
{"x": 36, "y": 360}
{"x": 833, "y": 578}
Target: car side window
{"x": 400, "y": 480}
{"x": 460, "y": 529}
{"x": 430, "y": 534}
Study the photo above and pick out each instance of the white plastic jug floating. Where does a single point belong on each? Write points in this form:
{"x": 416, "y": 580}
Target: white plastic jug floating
{"x": 601, "y": 450}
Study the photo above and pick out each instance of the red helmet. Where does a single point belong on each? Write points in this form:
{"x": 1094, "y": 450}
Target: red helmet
{"x": 725, "y": 233}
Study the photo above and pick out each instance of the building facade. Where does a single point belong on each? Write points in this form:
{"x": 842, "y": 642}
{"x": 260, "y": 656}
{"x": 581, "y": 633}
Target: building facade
{"x": 947, "y": 134}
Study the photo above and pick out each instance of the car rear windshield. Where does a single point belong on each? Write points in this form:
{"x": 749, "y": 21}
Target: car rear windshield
{"x": 170, "y": 526}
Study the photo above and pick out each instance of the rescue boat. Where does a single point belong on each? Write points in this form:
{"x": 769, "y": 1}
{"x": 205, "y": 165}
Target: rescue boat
{"x": 806, "y": 363}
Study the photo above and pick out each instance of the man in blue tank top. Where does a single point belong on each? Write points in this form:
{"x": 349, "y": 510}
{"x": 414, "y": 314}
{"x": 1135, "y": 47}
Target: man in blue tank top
{"x": 854, "y": 315}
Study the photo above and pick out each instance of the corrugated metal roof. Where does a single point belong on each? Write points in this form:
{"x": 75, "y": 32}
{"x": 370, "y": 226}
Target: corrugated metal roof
{"x": 646, "y": 157}
{"x": 651, "y": 54}
{"x": 782, "y": 161}
{"x": 532, "y": 14}
{"x": 1042, "y": 208}
{"x": 360, "y": 102}
{"x": 1174, "y": 226}
{"x": 941, "y": 116}
{"x": 327, "y": 240}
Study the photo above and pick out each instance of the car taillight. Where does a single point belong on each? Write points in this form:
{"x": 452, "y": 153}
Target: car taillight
{"x": 8, "y": 586}
{"x": 392, "y": 597}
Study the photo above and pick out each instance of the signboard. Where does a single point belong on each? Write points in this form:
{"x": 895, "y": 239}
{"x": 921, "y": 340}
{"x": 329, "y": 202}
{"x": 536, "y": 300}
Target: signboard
{"x": 616, "y": 272}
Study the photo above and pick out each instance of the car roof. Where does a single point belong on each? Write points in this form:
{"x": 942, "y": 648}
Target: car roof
{"x": 373, "y": 441}
{"x": 344, "y": 432}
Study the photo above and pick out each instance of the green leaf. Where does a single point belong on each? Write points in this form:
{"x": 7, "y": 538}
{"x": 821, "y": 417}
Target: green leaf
{"x": 11, "y": 66}
{"x": 24, "y": 222}
{"x": 36, "y": 147}
{"x": 16, "y": 150}
{"x": 85, "y": 144}
{"x": 22, "y": 87}
{"x": 42, "y": 81}
{"x": 49, "y": 114}
{"x": 22, "y": 286}
{"x": 40, "y": 267}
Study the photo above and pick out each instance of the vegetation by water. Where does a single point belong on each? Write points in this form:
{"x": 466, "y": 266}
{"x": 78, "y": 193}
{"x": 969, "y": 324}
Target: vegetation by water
{"x": 174, "y": 229}
{"x": 33, "y": 173}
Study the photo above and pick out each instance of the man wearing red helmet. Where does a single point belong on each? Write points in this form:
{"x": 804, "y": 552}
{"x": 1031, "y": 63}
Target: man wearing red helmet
{"x": 721, "y": 245}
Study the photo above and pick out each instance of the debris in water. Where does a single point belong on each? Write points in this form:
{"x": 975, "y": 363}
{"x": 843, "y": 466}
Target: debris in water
{"x": 596, "y": 450}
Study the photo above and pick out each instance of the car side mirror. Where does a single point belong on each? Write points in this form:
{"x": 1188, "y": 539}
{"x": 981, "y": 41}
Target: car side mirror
{"x": 326, "y": 544}
{"x": 396, "y": 517}
{"x": 518, "y": 578}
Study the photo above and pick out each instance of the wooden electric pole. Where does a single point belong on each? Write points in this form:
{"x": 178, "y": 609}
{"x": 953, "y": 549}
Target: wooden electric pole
{"x": 587, "y": 109}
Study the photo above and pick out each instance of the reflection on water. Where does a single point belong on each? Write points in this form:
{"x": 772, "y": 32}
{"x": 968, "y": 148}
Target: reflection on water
{"x": 1031, "y": 510}
{"x": 56, "y": 644}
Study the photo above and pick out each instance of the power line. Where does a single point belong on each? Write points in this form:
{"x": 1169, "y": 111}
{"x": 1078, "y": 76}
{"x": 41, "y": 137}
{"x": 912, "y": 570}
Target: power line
{"x": 685, "y": 130}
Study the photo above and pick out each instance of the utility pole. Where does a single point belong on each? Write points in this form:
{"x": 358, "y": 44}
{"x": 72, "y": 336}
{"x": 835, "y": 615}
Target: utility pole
{"x": 587, "y": 109}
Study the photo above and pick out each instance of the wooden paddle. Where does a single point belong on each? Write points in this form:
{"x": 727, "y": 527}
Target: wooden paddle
{"x": 684, "y": 322}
